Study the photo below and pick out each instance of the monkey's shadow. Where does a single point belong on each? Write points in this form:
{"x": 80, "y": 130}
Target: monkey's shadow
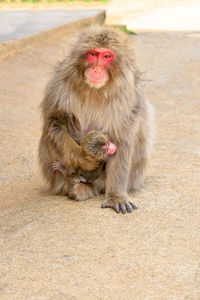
{"x": 49, "y": 197}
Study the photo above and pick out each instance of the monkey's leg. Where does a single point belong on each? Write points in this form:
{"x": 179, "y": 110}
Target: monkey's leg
{"x": 142, "y": 148}
{"x": 80, "y": 191}
{"x": 58, "y": 184}
{"x": 138, "y": 164}
{"x": 65, "y": 184}
{"x": 99, "y": 185}
{"x": 136, "y": 177}
{"x": 117, "y": 175}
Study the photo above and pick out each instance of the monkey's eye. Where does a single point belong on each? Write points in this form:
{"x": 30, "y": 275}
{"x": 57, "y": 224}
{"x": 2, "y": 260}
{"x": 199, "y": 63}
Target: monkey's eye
{"x": 94, "y": 54}
{"x": 107, "y": 56}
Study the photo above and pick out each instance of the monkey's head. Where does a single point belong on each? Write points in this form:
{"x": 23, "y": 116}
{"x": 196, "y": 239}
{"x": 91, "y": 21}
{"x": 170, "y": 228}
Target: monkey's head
{"x": 98, "y": 60}
{"x": 101, "y": 54}
{"x": 97, "y": 145}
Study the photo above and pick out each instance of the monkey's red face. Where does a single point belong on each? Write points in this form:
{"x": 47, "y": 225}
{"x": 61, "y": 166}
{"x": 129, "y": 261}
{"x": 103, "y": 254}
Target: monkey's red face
{"x": 98, "y": 62}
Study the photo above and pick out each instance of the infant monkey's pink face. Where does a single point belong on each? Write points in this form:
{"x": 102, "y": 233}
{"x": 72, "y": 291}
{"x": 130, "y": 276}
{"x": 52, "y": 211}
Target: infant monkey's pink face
{"x": 110, "y": 147}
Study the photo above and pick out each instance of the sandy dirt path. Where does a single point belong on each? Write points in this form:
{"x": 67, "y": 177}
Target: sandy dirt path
{"x": 53, "y": 248}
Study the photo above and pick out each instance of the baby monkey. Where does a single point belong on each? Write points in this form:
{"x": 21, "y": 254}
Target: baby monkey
{"x": 96, "y": 148}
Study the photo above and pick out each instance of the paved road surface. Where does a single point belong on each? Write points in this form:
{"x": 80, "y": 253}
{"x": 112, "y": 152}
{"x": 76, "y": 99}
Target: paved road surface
{"x": 23, "y": 28}
{"x": 17, "y": 24}
{"x": 53, "y": 248}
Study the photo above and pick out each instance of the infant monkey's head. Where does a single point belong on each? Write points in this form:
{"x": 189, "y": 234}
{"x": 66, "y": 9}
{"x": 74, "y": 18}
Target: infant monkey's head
{"x": 97, "y": 145}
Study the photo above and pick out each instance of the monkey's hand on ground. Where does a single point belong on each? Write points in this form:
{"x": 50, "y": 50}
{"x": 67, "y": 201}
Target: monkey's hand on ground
{"x": 120, "y": 203}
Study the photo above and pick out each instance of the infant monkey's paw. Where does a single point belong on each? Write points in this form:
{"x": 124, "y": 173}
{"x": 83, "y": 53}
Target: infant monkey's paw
{"x": 78, "y": 179}
{"x": 120, "y": 203}
{"x": 55, "y": 166}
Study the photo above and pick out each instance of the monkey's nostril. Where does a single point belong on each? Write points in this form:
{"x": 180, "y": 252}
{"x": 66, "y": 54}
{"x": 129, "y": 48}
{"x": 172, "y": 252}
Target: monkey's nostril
{"x": 97, "y": 70}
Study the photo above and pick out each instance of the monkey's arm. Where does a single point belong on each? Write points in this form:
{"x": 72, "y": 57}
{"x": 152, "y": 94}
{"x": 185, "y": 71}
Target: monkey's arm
{"x": 57, "y": 131}
{"x": 117, "y": 173}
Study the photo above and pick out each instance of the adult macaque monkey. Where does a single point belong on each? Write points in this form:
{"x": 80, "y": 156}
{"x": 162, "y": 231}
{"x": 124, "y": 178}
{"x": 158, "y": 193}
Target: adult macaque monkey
{"x": 98, "y": 84}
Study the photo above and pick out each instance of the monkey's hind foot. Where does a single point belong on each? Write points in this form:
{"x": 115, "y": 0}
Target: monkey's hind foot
{"x": 119, "y": 204}
{"x": 80, "y": 192}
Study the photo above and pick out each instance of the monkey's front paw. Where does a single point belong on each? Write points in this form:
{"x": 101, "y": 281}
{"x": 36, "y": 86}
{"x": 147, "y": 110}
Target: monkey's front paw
{"x": 55, "y": 166}
{"x": 122, "y": 205}
{"x": 77, "y": 179}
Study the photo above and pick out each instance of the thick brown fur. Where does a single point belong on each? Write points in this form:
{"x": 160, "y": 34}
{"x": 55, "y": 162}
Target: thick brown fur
{"x": 118, "y": 109}
{"x": 92, "y": 150}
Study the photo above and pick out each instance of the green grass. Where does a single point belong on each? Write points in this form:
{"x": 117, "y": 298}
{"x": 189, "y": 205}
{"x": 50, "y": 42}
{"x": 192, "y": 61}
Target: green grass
{"x": 124, "y": 29}
{"x": 53, "y": 1}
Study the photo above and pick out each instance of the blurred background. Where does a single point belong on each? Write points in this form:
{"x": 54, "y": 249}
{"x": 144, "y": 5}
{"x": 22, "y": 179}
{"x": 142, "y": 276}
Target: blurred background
{"x": 135, "y": 14}
{"x": 55, "y": 249}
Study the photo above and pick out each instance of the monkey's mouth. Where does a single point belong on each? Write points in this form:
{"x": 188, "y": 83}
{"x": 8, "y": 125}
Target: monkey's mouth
{"x": 96, "y": 81}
